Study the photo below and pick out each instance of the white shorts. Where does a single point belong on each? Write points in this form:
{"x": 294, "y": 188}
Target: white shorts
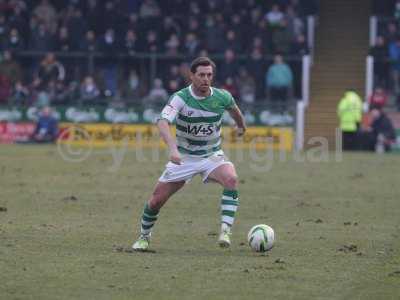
{"x": 191, "y": 166}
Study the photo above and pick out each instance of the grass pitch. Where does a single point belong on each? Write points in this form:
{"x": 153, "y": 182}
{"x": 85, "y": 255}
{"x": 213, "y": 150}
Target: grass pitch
{"x": 65, "y": 228}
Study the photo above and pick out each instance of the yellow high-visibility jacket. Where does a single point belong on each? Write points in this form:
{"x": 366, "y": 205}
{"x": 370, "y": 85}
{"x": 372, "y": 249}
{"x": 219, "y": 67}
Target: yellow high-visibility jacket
{"x": 349, "y": 112}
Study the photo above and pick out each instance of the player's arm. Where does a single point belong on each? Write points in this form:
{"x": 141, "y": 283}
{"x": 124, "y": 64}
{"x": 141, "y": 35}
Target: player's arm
{"x": 237, "y": 116}
{"x": 167, "y": 116}
{"x": 165, "y": 132}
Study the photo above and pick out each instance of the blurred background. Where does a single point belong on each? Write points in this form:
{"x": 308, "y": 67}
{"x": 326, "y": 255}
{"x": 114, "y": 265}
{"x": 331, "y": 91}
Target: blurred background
{"x": 134, "y": 54}
{"x": 288, "y": 63}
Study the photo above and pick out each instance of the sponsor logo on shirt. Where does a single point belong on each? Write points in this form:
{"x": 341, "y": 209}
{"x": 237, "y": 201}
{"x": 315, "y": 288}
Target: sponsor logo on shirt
{"x": 200, "y": 130}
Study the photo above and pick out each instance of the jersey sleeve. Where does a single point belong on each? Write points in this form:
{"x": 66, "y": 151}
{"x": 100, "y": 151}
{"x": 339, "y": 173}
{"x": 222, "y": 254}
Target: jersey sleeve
{"x": 229, "y": 101}
{"x": 172, "y": 108}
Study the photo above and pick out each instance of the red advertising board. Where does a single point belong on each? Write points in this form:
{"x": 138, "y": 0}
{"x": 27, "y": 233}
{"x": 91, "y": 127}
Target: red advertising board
{"x": 15, "y": 132}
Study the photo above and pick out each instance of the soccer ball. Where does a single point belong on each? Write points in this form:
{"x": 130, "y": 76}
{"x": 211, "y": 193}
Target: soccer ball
{"x": 261, "y": 238}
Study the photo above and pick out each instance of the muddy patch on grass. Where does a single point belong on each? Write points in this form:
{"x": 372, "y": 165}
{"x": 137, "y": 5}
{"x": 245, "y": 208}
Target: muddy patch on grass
{"x": 123, "y": 249}
{"x": 395, "y": 274}
{"x": 348, "y": 248}
{"x": 71, "y": 198}
{"x": 348, "y": 223}
{"x": 357, "y": 175}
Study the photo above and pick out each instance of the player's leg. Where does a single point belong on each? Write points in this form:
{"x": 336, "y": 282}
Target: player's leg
{"x": 162, "y": 192}
{"x": 226, "y": 176}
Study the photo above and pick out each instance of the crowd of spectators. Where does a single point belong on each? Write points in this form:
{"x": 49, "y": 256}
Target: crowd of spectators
{"x": 386, "y": 53}
{"x": 239, "y": 34}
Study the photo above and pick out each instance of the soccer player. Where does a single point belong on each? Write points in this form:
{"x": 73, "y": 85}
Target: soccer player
{"x": 198, "y": 111}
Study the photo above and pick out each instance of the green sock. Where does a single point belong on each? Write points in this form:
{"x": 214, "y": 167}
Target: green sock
{"x": 229, "y": 205}
{"x": 148, "y": 220}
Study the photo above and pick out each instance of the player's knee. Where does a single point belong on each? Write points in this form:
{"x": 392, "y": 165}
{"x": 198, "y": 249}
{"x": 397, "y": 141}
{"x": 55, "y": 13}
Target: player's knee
{"x": 157, "y": 200}
{"x": 231, "y": 182}
{"x": 153, "y": 204}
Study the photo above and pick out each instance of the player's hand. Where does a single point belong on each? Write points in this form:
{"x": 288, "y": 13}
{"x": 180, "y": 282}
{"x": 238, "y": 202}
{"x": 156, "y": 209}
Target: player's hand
{"x": 175, "y": 157}
{"x": 240, "y": 131}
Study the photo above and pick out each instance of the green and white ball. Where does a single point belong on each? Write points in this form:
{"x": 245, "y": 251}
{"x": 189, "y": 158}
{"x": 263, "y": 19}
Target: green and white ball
{"x": 261, "y": 238}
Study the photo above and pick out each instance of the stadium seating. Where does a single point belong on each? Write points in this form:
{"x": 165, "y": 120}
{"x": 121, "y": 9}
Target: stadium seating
{"x": 140, "y": 50}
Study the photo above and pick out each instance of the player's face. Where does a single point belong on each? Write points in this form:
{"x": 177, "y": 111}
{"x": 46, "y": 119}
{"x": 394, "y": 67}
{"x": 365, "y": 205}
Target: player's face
{"x": 202, "y": 79}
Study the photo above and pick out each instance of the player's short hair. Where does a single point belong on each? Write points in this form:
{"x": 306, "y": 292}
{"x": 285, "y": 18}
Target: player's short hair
{"x": 201, "y": 61}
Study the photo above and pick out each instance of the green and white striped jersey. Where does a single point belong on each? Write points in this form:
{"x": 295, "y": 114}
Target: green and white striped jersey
{"x": 198, "y": 120}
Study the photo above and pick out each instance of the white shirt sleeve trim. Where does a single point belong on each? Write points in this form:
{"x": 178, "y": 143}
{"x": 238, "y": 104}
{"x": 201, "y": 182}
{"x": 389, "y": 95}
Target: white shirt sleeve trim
{"x": 173, "y": 107}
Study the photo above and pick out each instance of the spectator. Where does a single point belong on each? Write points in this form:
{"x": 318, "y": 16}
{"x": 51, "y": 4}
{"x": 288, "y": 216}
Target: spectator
{"x": 380, "y": 53}
{"x": 152, "y": 43}
{"x": 169, "y": 28}
{"x": 279, "y": 80}
{"x": 18, "y": 20}
{"x": 214, "y": 35}
{"x": 282, "y": 38}
{"x": 378, "y": 99}
{"x": 274, "y": 16}
{"x": 14, "y": 43}
{"x": 172, "y": 45}
{"x": 263, "y": 31}
{"x": 229, "y": 67}
{"x": 41, "y": 38}
{"x": 394, "y": 55}
{"x": 391, "y": 33}
{"x": 260, "y": 44}
{"x": 247, "y": 87}
{"x": 194, "y": 8}
{"x": 89, "y": 44}
{"x": 89, "y": 92}
{"x": 191, "y": 45}
{"x": 60, "y": 93}
{"x": 255, "y": 17}
{"x": 20, "y": 95}
{"x": 231, "y": 42}
{"x": 63, "y": 41}
{"x": 194, "y": 27}
{"x": 46, "y": 130}
{"x": 157, "y": 95}
{"x": 110, "y": 16}
{"x": 237, "y": 26}
{"x": 349, "y": 111}
{"x": 173, "y": 75}
{"x": 5, "y": 89}
{"x": 295, "y": 24}
{"x": 172, "y": 86}
{"x": 109, "y": 43}
{"x": 132, "y": 23}
{"x": 397, "y": 11}
{"x": 10, "y": 69}
{"x": 149, "y": 9}
{"x": 77, "y": 27}
{"x": 3, "y": 31}
{"x": 230, "y": 86}
{"x": 184, "y": 71}
{"x": 299, "y": 46}
{"x": 131, "y": 45}
{"x": 47, "y": 14}
{"x": 93, "y": 15}
{"x": 109, "y": 46}
{"x": 50, "y": 70}
{"x": 256, "y": 66}
{"x": 132, "y": 88}
{"x": 381, "y": 135}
